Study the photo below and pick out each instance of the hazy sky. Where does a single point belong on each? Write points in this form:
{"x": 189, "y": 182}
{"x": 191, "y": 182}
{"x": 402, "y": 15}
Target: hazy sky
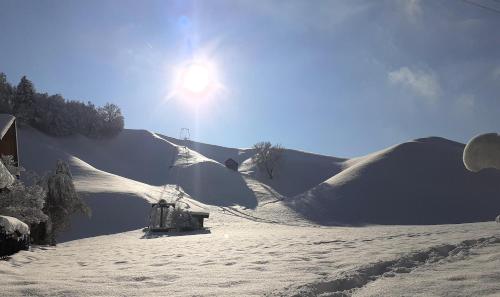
{"x": 336, "y": 77}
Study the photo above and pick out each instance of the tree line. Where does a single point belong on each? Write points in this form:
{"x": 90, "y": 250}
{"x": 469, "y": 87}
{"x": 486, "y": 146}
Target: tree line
{"x": 55, "y": 115}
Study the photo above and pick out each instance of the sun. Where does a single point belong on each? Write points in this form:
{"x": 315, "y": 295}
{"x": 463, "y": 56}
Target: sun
{"x": 196, "y": 82}
{"x": 196, "y": 78}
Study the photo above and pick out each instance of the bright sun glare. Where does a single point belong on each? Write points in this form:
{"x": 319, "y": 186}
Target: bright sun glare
{"x": 196, "y": 78}
{"x": 196, "y": 82}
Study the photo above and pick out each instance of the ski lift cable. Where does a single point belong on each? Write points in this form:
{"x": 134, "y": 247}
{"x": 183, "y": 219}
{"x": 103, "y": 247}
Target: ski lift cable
{"x": 483, "y": 6}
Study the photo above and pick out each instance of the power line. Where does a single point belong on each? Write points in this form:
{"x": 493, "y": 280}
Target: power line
{"x": 483, "y": 6}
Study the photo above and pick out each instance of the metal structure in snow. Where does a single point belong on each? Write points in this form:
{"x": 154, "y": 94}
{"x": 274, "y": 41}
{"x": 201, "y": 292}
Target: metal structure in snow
{"x": 170, "y": 217}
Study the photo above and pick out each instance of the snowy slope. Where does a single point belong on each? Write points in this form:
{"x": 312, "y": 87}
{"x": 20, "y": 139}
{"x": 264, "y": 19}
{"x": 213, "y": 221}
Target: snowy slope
{"x": 119, "y": 177}
{"x": 297, "y": 172}
{"x": 214, "y": 152}
{"x": 118, "y": 203}
{"x": 209, "y": 181}
{"x": 134, "y": 154}
{"x": 417, "y": 182}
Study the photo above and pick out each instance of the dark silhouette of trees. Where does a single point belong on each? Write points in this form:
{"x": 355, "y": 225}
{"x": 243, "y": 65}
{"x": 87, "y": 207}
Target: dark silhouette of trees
{"x": 55, "y": 115}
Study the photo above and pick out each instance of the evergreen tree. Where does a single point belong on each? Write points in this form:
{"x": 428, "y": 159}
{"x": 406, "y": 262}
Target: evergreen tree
{"x": 62, "y": 200}
{"x": 24, "y": 100}
{"x": 6, "y": 93}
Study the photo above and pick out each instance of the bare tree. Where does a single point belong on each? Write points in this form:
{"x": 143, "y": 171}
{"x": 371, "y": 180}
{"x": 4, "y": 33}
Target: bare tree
{"x": 267, "y": 157}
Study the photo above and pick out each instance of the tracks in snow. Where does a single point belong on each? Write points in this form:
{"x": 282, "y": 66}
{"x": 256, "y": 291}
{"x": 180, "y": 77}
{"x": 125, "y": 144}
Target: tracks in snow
{"x": 228, "y": 210}
{"x": 348, "y": 282}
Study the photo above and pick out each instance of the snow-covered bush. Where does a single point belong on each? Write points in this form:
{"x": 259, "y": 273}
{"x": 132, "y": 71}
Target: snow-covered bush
{"x": 181, "y": 219}
{"x": 46, "y": 204}
{"x": 62, "y": 200}
{"x": 24, "y": 202}
{"x": 11, "y": 225}
{"x": 10, "y": 164}
{"x": 6, "y": 178}
{"x": 14, "y": 235}
{"x": 172, "y": 218}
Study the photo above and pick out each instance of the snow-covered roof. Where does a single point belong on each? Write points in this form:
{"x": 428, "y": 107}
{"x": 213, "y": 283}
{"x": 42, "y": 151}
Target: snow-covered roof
{"x": 11, "y": 225}
{"x": 6, "y": 121}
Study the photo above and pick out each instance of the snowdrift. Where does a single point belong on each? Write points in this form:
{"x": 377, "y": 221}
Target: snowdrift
{"x": 418, "y": 182}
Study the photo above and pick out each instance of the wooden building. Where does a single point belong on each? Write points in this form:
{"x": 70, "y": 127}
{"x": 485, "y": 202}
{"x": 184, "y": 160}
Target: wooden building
{"x": 231, "y": 164}
{"x": 8, "y": 137}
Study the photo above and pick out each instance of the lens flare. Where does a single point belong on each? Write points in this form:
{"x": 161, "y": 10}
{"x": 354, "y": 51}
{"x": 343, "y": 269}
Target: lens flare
{"x": 196, "y": 78}
{"x": 196, "y": 83}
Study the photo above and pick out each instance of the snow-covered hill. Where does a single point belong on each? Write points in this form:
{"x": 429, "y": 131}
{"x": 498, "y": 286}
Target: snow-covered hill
{"x": 262, "y": 238}
{"x": 418, "y": 182}
{"x": 299, "y": 171}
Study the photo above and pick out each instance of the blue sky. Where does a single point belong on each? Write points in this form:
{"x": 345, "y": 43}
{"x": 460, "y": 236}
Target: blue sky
{"x": 341, "y": 78}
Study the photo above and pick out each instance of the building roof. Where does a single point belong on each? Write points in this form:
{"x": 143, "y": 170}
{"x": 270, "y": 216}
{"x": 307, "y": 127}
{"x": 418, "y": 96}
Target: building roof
{"x": 6, "y": 121}
{"x": 231, "y": 161}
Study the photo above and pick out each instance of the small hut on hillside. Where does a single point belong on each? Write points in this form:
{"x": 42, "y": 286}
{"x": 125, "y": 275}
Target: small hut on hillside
{"x": 231, "y": 164}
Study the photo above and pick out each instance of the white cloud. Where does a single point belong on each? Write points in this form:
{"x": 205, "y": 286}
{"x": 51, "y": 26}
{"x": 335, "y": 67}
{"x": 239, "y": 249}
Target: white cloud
{"x": 422, "y": 83}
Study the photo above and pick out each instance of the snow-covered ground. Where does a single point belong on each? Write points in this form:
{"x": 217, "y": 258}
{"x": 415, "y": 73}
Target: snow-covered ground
{"x": 240, "y": 257}
{"x": 264, "y": 237}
